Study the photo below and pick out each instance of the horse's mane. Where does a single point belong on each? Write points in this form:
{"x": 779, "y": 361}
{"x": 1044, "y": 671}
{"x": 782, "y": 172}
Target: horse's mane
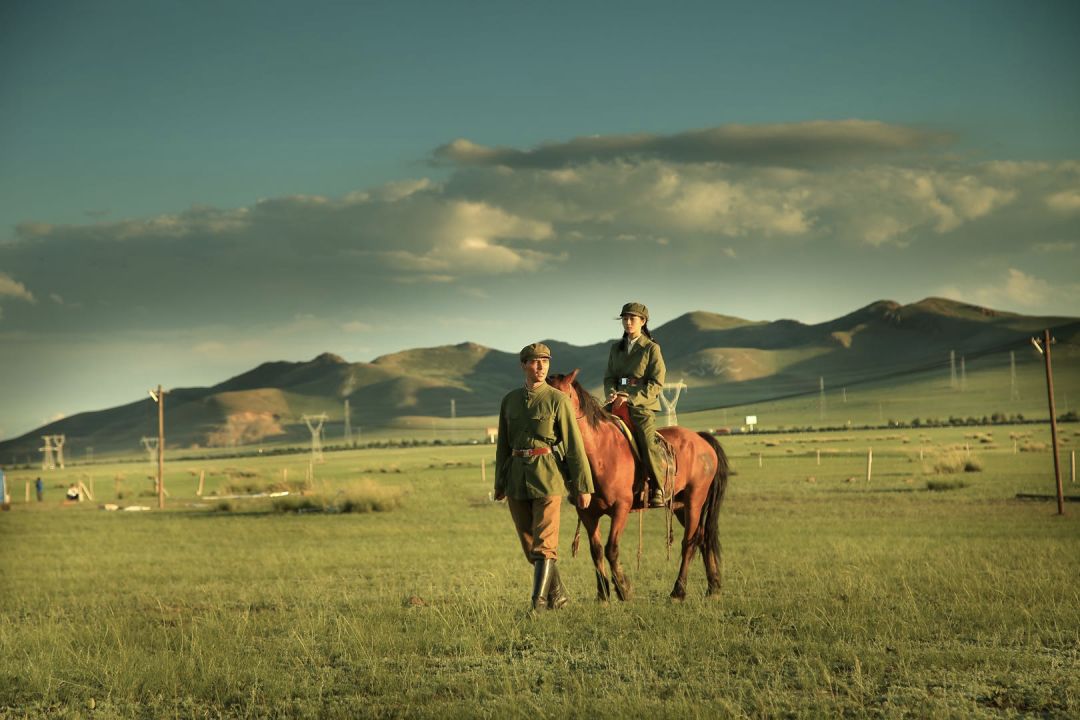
{"x": 592, "y": 409}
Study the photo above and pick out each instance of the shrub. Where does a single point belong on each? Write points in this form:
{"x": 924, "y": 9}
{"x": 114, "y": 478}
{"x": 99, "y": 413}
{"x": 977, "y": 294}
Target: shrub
{"x": 363, "y": 497}
{"x": 940, "y": 485}
{"x": 955, "y": 461}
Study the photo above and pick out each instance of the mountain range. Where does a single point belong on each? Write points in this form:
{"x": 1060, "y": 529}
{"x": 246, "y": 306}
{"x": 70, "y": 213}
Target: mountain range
{"x": 724, "y": 361}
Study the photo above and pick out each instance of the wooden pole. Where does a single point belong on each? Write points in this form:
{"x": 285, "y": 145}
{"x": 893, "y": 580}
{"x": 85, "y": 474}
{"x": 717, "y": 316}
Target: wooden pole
{"x": 202, "y": 478}
{"x": 28, "y": 490}
{"x": 759, "y": 459}
{"x": 1053, "y": 420}
{"x": 161, "y": 448}
{"x": 1072, "y": 476}
{"x": 869, "y": 463}
{"x": 818, "y": 457}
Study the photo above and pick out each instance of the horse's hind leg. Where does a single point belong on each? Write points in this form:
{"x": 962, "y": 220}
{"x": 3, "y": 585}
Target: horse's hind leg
{"x": 710, "y": 555}
{"x": 690, "y": 518}
{"x": 596, "y": 549}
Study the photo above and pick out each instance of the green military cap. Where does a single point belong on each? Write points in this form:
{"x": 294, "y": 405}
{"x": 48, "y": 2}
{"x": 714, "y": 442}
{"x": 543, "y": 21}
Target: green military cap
{"x": 632, "y": 308}
{"x": 536, "y": 350}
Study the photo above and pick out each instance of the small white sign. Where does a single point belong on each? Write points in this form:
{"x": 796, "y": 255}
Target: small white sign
{"x": 751, "y": 420}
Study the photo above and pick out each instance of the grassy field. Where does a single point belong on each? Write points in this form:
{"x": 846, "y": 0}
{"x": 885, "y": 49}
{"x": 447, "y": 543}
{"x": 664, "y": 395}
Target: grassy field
{"x": 929, "y": 591}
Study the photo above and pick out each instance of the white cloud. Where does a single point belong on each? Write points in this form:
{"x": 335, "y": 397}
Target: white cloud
{"x": 356, "y": 326}
{"x": 1015, "y": 289}
{"x": 1066, "y": 201}
{"x": 10, "y": 287}
{"x": 1054, "y": 247}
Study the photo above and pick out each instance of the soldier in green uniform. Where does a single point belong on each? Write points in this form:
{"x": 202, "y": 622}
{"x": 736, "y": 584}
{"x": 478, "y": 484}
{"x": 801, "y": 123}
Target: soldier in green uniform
{"x": 635, "y": 374}
{"x": 539, "y": 453}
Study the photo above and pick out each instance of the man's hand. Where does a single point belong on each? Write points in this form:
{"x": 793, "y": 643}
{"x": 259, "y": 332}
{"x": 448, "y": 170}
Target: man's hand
{"x": 583, "y": 500}
{"x": 499, "y": 495}
{"x": 618, "y": 400}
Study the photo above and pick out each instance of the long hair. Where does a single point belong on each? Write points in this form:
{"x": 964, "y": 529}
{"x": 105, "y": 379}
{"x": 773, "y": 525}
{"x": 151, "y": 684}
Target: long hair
{"x": 625, "y": 345}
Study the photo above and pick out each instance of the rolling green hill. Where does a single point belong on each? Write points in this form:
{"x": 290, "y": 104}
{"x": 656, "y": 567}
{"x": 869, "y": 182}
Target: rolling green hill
{"x": 894, "y": 353}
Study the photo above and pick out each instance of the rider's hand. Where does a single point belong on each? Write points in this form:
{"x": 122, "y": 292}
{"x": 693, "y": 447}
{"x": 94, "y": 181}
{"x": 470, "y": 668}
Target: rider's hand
{"x": 583, "y": 500}
{"x": 499, "y": 495}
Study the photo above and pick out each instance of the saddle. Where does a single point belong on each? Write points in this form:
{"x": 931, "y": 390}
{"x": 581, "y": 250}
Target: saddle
{"x": 641, "y": 469}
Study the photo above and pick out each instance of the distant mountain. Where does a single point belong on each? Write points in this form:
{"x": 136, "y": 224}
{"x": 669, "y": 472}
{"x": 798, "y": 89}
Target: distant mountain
{"x": 723, "y": 360}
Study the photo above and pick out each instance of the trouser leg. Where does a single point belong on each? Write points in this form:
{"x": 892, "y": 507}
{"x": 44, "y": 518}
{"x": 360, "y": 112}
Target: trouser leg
{"x": 651, "y": 452}
{"x": 537, "y": 524}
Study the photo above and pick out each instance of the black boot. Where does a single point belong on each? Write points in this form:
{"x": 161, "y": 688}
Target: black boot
{"x": 541, "y": 582}
{"x": 557, "y": 597}
{"x": 656, "y": 499}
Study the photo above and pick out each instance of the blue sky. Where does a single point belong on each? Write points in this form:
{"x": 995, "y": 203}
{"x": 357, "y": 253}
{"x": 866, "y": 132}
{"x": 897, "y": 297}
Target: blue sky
{"x": 188, "y": 189}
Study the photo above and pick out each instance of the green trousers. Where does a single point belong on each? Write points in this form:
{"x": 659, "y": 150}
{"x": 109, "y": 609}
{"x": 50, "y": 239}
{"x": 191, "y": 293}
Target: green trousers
{"x": 645, "y": 435}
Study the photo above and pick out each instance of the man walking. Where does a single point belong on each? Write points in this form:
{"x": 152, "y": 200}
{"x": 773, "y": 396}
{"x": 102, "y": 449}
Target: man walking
{"x": 539, "y": 454}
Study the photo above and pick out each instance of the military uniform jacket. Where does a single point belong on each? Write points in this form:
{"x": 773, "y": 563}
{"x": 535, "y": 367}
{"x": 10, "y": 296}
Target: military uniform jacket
{"x": 540, "y": 418}
{"x": 644, "y": 364}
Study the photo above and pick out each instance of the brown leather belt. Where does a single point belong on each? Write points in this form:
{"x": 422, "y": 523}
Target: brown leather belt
{"x": 531, "y": 452}
{"x": 632, "y": 381}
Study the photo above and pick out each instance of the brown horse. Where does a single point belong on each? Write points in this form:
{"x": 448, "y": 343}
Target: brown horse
{"x": 699, "y": 489}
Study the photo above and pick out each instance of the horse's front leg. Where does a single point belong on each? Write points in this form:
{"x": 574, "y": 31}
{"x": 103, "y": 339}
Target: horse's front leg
{"x": 618, "y": 524}
{"x": 596, "y": 549}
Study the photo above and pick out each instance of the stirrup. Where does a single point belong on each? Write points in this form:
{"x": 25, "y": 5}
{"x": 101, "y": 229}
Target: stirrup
{"x": 656, "y": 498}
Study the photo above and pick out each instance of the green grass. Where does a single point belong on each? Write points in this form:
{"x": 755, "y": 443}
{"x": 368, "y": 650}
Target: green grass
{"x": 841, "y": 597}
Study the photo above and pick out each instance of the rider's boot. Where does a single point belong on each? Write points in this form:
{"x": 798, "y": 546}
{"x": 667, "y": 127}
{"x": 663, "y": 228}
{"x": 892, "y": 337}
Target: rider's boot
{"x": 541, "y": 582}
{"x": 557, "y": 597}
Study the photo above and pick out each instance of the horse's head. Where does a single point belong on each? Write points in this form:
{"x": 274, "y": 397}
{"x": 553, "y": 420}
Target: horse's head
{"x": 565, "y": 385}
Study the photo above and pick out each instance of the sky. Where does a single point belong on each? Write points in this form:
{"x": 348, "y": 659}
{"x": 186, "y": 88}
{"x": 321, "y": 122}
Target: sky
{"x": 188, "y": 189}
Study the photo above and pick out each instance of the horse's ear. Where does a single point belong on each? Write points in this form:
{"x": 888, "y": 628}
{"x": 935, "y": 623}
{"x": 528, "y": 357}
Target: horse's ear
{"x": 573, "y": 376}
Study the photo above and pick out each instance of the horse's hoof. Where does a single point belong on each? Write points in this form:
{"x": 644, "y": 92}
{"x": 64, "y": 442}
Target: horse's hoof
{"x": 677, "y": 598}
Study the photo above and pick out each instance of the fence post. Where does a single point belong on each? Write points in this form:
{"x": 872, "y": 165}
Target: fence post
{"x": 869, "y": 463}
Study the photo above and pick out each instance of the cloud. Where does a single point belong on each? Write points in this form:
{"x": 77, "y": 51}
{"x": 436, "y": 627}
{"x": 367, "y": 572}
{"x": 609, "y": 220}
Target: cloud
{"x": 1054, "y": 247}
{"x": 10, "y": 287}
{"x": 802, "y": 144}
{"x": 1066, "y": 201}
{"x": 493, "y": 224}
{"x": 1015, "y": 289}
{"x": 355, "y": 326}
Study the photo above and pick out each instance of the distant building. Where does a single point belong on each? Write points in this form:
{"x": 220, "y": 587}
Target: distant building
{"x": 492, "y": 434}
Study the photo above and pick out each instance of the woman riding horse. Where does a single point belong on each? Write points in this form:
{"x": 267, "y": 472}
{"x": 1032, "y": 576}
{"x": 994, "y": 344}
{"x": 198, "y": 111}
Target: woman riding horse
{"x": 635, "y": 374}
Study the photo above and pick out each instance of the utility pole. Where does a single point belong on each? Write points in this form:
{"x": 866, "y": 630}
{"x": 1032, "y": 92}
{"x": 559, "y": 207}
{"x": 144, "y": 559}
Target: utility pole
{"x": 1012, "y": 375}
{"x": 669, "y": 405}
{"x": 315, "y": 424}
{"x": 1044, "y": 350}
{"x": 952, "y": 369}
{"x": 47, "y": 462}
{"x": 963, "y": 374}
{"x": 150, "y": 445}
{"x": 821, "y": 403}
{"x": 159, "y": 398}
{"x": 348, "y": 424}
{"x": 58, "y": 446}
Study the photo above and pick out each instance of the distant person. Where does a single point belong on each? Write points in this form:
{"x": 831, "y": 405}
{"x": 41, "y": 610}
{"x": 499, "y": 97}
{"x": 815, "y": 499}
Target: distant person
{"x": 73, "y": 494}
{"x": 536, "y": 426}
{"x": 634, "y": 376}
{"x": 40, "y": 487}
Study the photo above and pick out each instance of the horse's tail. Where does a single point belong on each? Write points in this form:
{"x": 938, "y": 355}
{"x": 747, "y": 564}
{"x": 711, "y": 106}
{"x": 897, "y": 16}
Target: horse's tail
{"x": 716, "y": 494}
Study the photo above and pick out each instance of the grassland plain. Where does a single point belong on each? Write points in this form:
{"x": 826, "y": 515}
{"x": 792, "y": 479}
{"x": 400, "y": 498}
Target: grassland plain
{"x": 841, "y": 597}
